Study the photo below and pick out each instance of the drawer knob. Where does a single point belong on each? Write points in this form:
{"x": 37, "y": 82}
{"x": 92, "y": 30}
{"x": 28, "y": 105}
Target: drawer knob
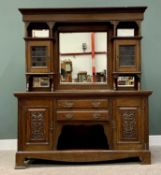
{"x": 68, "y": 104}
{"x": 96, "y": 104}
{"x": 69, "y": 116}
{"x": 96, "y": 116}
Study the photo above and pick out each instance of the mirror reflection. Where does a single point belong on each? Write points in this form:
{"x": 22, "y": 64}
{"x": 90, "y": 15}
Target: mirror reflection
{"x": 83, "y": 57}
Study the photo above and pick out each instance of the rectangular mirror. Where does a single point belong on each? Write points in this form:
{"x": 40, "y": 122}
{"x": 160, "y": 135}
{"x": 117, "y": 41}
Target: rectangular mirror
{"x": 83, "y": 57}
{"x": 125, "y": 32}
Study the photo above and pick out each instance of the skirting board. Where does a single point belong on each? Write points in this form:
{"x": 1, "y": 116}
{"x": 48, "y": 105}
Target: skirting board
{"x": 11, "y": 144}
{"x": 8, "y": 144}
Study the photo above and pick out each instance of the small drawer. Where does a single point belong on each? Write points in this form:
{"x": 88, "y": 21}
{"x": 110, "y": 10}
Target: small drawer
{"x": 84, "y": 104}
{"x": 102, "y": 115}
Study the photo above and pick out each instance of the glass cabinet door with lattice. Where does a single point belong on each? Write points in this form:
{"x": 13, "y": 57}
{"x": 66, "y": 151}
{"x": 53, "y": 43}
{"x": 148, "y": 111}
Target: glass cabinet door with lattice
{"x": 127, "y": 55}
{"x": 38, "y": 56}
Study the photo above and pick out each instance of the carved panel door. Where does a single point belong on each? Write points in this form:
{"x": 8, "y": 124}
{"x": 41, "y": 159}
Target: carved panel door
{"x": 36, "y": 120}
{"x": 129, "y": 118}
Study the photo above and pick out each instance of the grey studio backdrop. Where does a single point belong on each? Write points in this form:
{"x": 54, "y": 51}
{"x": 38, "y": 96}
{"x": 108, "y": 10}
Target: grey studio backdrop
{"x": 12, "y": 55}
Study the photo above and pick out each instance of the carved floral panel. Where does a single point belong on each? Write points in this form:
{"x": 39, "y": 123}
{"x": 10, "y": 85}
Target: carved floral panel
{"x": 128, "y": 124}
{"x": 37, "y": 125}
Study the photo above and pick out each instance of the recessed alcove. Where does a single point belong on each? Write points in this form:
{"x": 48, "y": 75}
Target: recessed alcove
{"x": 82, "y": 137}
{"x": 38, "y": 30}
{"x": 128, "y": 28}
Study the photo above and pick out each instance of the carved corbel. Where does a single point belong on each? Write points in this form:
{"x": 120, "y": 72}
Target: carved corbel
{"x": 51, "y": 27}
{"x": 115, "y": 24}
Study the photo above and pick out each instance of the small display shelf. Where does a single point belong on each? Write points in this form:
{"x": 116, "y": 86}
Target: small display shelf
{"x": 127, "y": 80}
{"x": 38, "y": 30}
{"x": 39, "y": 81}
{"x": 128, "y": 29}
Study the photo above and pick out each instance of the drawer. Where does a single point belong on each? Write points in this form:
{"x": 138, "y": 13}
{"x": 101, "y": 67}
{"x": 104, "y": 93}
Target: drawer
{"x": 102, "y": 115}
{"x": 84, "y": 104}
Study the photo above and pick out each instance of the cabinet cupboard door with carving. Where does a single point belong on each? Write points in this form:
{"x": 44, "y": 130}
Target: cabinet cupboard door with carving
{"x": 36, "y": 123}
{"x": 129, "y": 120}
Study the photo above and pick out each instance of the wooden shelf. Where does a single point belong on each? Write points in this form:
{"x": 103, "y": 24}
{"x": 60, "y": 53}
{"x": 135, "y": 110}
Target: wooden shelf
{"x": 127, "y": 37}
{"x": 37, "y": 39}
{"x": 49, "y": 73}
{"x": 126, "y": 73}
{"x": 82, "y": 53}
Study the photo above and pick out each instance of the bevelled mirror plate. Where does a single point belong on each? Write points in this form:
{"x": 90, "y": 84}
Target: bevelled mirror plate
{"x": 83, "y": 57}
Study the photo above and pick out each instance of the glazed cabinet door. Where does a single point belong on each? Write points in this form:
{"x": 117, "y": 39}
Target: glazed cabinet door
{"x": 35, "y": 124}
{"x": 127, "y": 55}
{"x": 39, "y": 56}
{"x": 129, "y": 123}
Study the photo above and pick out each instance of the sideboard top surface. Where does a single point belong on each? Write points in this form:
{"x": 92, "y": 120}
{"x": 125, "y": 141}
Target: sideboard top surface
{"x": 84, "y": 93}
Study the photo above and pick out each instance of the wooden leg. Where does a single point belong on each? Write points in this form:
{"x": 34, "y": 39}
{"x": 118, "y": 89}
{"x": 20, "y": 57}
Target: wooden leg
{"x": 58, "y": 132}
{"x": 107, "y": 134}
{"x": 20, "y": 164}
{"x": 145, "y": 159}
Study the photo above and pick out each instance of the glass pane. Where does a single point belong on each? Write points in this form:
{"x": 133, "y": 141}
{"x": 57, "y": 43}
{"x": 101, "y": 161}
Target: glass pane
{"x": 83, "y": 57}
{"x": 127, "y": 55}
{"x": 39, "y": 56}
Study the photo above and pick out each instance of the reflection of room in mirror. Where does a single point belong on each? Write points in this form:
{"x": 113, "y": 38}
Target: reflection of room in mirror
{"x": 86, "y": 54}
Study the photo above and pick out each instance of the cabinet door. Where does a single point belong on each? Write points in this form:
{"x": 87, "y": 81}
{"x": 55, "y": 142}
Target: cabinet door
{"x": 129, "y": 121}
{"x": 127, "y": 55}
{"x": 39, "y": 56}
{"x": 36, "y": 122}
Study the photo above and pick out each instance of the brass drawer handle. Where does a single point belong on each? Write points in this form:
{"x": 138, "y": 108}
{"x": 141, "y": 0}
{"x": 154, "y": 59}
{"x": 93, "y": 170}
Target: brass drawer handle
{"x": 68, "y": 104}
{"x": 69, "y": 116}
{"x": 51, "y": 129}
{"x": 96, "y": 116}
{"x": 96, "y": 104}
